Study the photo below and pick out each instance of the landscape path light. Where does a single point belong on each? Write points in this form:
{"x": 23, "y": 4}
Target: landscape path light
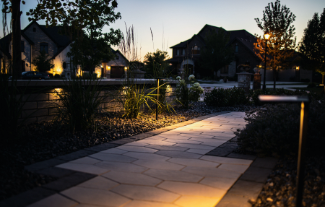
{"x": 304, "y": 110}
{"x": 266, "y": 37}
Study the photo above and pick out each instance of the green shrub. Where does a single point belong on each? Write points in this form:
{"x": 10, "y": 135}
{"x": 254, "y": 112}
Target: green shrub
{"x": 275, "y": 131}
{"x": 182, "y": 93}
{"x": 220, "y": 97}
{"x": 195, "y": 91}
{"x": 80, "y": 99}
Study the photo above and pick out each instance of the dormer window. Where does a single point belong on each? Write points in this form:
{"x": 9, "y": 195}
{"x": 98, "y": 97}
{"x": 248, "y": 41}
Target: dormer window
{"x": 183, "y": 51}
{"x": 195, "y": 50}
{"x": 44, "y": 47}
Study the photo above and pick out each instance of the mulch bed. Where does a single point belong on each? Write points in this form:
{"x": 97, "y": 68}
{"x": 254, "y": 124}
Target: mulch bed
{"x": 43, "y": 141}
{"x": 280, "y": 188}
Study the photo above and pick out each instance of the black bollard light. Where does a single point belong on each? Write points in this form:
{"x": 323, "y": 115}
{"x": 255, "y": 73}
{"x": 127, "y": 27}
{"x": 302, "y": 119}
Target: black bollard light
{"x": 304, "y": 110}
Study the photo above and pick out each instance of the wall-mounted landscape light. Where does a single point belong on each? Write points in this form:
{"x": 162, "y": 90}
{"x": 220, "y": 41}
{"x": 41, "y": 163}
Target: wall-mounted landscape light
{"x": 304, "y": 107}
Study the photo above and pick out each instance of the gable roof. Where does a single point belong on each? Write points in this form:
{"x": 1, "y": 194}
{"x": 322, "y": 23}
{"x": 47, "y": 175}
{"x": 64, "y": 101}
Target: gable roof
{"x": 4, "y": 45}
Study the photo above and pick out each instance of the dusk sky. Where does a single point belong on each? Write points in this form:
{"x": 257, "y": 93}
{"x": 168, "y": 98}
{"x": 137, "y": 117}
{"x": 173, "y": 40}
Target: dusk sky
{"x": 173, "y": 21}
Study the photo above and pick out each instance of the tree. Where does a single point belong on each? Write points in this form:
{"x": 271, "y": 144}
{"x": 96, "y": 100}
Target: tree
{"x": 312, "y": 46}
{"x": 277, "y": 21}
{"x": 43, "y": 62}
{"x": 217, "y": 53}
{"x": 84, "y": 21}
{"x": 13, "y": 7}
{"x": 155, "y": 63}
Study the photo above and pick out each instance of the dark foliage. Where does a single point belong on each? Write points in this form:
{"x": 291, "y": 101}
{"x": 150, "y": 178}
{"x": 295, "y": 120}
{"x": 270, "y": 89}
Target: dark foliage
{"x": 220, "y": 97}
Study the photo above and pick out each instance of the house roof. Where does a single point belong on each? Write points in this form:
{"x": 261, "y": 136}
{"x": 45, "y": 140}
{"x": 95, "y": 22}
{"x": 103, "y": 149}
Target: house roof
{"x": 181, "y": 44}
{"x": 4, "y": 45}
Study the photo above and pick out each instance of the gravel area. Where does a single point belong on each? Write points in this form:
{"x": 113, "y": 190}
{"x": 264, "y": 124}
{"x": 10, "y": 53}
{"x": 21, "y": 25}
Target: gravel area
{"x": 47, "y": 140}
{"x": 280, "y": 188}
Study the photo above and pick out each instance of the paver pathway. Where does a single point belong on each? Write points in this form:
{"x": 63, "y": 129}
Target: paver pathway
{"x": 166, "y": 170}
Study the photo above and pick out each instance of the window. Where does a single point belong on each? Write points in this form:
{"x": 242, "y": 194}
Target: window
{"x": 22, "y": 46}
{"x": 117, "y": 57}
{"x": 34, "y": 29}
{"x": 44, "y": 47}
{"x": 236, "y": 48}
{"x": 177, "y": 52}
{"x": 195, "y": 50}
{"x": 183, "y": 51}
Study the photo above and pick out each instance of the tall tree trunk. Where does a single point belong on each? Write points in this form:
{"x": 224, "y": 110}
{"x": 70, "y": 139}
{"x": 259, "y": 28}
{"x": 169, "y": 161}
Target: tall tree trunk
{"x": 16, "y": 39}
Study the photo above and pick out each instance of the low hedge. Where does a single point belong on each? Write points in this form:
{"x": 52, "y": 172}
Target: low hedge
{"x": 220, "y": 97}
{"x": 275, "y": 130}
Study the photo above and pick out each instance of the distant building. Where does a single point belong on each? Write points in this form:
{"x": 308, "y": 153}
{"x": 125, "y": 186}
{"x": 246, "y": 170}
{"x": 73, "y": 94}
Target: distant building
{"x": 186, "y": 54}
{"x": 35, "y": 38}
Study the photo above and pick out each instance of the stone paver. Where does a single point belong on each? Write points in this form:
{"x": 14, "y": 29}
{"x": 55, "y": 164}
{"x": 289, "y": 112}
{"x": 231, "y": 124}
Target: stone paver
{"x": 95, "y": 196}
{"x": 146, "y": 193}
{"x": 54, "y": 201}
{"x": 169, "y": 169}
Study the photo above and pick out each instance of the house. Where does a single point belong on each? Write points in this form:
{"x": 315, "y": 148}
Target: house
{"x": 186, "y": 56}
{"x": 36, "y": 38}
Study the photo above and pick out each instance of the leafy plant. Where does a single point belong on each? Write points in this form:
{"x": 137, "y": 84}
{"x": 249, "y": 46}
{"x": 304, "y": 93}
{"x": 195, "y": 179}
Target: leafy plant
{"x": 195, "y": 91}
{"x": 182, "y": 93}
{"x": 80, "y": 99}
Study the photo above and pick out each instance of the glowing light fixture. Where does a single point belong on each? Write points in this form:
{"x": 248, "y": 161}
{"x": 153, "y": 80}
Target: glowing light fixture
{"x": 297, "y": 67}
{"x": 267, "y": 36}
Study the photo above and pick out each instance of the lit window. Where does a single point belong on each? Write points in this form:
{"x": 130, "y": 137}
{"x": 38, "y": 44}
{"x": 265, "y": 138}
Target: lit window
{"x": 44, "y": 47}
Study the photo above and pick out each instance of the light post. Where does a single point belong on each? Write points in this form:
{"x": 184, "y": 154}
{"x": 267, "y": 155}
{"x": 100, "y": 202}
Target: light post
{"x": 304, "y": 111}
{"x": 266, "y": 37}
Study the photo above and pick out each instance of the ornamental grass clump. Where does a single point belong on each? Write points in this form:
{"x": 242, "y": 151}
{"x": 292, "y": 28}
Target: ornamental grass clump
{"x": 79, "y": 102}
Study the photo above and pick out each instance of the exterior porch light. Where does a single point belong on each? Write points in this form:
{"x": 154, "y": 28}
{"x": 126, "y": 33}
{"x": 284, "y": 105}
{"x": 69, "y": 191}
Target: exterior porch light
{"x": 304, "y": 111}
{"x": 297, "y": 67}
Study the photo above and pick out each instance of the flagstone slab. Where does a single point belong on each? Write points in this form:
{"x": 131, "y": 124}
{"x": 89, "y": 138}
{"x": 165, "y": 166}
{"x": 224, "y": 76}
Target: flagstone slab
{"x": 173, "y": 175}
{"x": 137, "y": 143}
{"x": 191, "y": 189}
{"x": 157, "y": 164}
{"x": 199, "y": 151}
{"x": 85, "y": 160}
{"x": 146, "y": 156}
{"x": 115, "y": 151}
{"x": 234, "y": 167}
{"x": 83, "y": 168}
{"x": 195, "y": 146}
{"x": 211, "y": 172}
{"x": 95, "y": 196}
{"x": 193, "y": 162}
{"x": 54, "y": 201}
{"x": 145, "y": 193}
{"x": 171, "y": 148}
{"x": 178, "y": 154}
{"x": 218, "y": 182}
{"x": 112, "y": 157}
{"x": 148, "y": 204}
{"x": 119, "y": 166}
{"x": 99, "y": 183}
{"x": 183, "y": 141}
{"x": 132, "y": 178}
{"x": 226, "y": 160}
{"x": 196, "y": 201}
{"x": 136, "y": 149}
